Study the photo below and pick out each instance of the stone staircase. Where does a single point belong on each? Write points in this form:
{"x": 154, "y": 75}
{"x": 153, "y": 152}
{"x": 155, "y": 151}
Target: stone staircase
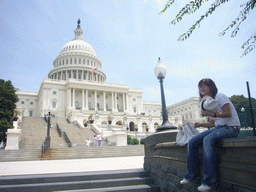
{"x": 76, "y": 135}
{"x": 20, "y": 155}
{"x": 93, "y": 152}
{"x": 34, "y": 131}
{"x": 120, "y": 180}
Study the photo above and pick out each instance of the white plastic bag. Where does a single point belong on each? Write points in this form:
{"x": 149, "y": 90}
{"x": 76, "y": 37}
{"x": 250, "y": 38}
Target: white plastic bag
{"x": 185, "y": 133}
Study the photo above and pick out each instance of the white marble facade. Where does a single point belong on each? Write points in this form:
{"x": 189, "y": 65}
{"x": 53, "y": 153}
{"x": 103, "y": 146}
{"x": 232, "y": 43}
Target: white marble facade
{"x": 72, "y": 90}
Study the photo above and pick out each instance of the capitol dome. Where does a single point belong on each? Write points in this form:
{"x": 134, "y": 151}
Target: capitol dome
{"x": 77, "y": 60}
{"x": 78, "y": 45}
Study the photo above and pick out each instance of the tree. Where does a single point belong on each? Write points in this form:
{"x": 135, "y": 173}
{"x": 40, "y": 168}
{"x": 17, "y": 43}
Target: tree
{"x": 194, "y": 5}
{"x": 8, "y": 98}
{"x": 241, "y": 102}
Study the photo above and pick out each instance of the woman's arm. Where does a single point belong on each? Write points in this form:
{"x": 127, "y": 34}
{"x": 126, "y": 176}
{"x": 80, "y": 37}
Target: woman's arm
{"x": 209, "y": 124}
{"x": 226, "y": 112}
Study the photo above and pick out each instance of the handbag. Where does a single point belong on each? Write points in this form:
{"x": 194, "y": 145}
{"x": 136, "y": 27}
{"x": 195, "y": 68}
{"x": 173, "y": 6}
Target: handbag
{"x": 185, "y": 133}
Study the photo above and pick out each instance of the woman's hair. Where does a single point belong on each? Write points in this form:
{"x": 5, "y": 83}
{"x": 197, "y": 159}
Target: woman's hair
{"x": 210, "y": 83}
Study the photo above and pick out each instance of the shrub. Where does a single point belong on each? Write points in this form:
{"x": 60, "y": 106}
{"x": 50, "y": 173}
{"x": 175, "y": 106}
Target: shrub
{"x": 142, "y": 141}
{"x": 129, "y": 140}
{"x": 135, "y": 141}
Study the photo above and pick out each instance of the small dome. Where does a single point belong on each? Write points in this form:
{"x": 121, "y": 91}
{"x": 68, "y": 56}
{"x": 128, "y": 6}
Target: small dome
{"x": 78, "y": 45}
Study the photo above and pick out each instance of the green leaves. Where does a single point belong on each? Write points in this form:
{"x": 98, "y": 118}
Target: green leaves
{"x": 8, "y": 98}
{"x": 194, "y": 5}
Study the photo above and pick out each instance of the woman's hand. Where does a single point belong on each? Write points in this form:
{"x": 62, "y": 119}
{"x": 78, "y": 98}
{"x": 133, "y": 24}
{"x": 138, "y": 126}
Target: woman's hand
{"x": 197, "y": 125}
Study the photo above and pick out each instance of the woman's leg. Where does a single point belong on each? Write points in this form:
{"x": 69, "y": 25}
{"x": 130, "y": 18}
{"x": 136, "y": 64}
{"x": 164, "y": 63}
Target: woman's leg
{"x": 209, "y": 156}
{"x": 192, "y": 156}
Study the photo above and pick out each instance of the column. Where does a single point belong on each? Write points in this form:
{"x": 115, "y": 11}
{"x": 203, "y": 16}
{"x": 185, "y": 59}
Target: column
{"x": 69, "y": 98}
{"x": 82, "y": 99}
{"x": 95, "y": 100}
{"x": 104, "y": 101}
{"x": 86, "y": 99}
{"x": 112, "y": 101}
{"x": 127, "y": 102}
{"x": 115, "y": 102}
{"x": 74, "y": 99}
{"x": 124, "y": 108}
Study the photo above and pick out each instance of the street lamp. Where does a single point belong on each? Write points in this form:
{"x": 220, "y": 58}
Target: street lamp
{"x": 160, "y": 72}
{"x": 244, "y": 117}
{"x": 48, "y": 138}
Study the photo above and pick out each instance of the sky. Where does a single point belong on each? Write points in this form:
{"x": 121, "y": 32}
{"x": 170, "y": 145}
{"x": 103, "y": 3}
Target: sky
{"x": 128, "y": 37}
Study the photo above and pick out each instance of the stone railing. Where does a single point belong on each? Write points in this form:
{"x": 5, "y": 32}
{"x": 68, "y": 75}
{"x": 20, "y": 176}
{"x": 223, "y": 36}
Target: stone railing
{"x": 166, "y": 163}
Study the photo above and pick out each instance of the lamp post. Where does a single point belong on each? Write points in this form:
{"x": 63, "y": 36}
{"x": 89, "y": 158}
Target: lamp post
{"x": 48, "y": 138}
{"x": 160, "y": 72}
{"x": 244, "y": 119}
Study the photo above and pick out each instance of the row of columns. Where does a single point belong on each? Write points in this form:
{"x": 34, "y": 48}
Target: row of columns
{"x": 72, "y": 95}
{"x": 85, "y": 75}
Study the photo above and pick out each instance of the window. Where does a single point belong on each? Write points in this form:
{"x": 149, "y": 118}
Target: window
{"x": 75, "y": 61}
{"x": 79, "y": 61}
{"x": 54, "y": 104}
{"x": 83, "y": 61}
{"x": 134, "y": 99}
{"x": 31, "y": 103}
{"x": 22, "y": 102}
{"x": 70, "y": 61}
{"x": 134, "y": 109}
{"x": 66, "y": 61}
{"x": 89, "y": 95}
{"x": 30, "y": 113}
{"x": 54, "y": 92}
{"x": 98, "y": 96}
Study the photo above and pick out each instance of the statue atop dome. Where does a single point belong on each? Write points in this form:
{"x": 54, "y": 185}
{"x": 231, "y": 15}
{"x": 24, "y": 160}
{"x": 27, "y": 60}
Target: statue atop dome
{"x": 78, "y": 23}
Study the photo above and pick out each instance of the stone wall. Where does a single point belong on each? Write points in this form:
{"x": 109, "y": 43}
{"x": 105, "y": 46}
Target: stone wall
{"x": 166, "y": 163}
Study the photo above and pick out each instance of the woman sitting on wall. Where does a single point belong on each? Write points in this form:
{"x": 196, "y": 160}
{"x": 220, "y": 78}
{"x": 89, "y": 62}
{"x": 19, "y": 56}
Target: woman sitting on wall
{"x": 226, "y": 125}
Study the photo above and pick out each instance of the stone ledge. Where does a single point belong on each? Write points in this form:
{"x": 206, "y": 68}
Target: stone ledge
{"x": 165, "y": 161}
{"x": 230, "y": 142}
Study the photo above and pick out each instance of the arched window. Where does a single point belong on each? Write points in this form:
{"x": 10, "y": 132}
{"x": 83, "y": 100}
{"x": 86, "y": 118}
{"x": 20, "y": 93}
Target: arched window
{"x": 155, "y": 125}
{"x": 104, "y": 122}
{"x": 144, "y": 126}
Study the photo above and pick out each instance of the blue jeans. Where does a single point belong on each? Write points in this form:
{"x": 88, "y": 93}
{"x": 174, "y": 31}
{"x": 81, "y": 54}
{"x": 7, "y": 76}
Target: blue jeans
{"x": 208, "y": 139}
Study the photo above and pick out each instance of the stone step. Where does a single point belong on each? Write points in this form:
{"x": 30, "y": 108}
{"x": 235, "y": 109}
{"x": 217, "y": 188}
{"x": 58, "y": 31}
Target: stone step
{"x": 92, "y": 152}
{"x": 20, "y": 155}
{"x": 82, "y": 152}
{"x": 120, "y": 180}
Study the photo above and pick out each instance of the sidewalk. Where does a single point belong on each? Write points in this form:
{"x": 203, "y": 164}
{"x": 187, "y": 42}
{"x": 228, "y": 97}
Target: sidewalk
{"x": 70, "y": 165}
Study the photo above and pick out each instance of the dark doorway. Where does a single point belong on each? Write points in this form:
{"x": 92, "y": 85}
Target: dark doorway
{"x": 131, "y": 126}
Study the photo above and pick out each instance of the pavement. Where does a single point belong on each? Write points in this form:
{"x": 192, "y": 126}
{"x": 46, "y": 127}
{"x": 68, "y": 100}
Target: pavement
{"x": 70, "y": 165}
